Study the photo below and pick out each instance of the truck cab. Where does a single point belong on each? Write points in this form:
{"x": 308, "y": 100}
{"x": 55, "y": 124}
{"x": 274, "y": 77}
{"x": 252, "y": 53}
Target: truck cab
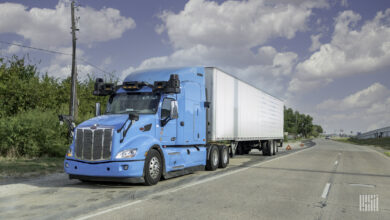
{"x": 154, "y": 127}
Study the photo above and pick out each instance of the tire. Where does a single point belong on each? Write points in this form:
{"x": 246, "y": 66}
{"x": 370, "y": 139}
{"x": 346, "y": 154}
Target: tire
{"x": 264, "y": 148}
{"x": 153, "y": 168}
{"x": 239, "y": 149}
{"x": 277, "y": 147}
{"x": 273, "y": 148}
{"x": 223, "y": 157}
{"x": 213, "y": 160}
{"x": 232, "y": 151}
{"x": 267, "y": 151}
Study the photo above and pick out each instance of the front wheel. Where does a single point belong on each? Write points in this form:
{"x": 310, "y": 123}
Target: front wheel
{"x": 153, "y": 168}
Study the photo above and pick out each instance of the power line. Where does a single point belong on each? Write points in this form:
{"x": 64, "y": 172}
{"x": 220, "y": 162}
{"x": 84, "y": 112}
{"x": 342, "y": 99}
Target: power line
{"x": 36, "y": 48}
{"x": 55, "y": 52}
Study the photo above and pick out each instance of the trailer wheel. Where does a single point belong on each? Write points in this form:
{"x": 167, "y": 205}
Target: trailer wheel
{"x": 213, "y": 160}
{"x": 223, "y": 157}
{"x": 240, "y": 149}
{"x": 267, "y": 149}
{"x": 264, "y": 148}
{"x": 232, "y": 149}
{"x": 152, "y": 168}
{"x": 273, "y": 148}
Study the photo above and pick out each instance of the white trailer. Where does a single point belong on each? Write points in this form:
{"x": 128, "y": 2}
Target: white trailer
{"x": 242, "y": 114}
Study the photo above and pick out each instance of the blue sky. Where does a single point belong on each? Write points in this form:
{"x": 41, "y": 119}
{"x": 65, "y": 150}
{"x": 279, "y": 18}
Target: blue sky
{"x": 326, "y": 58}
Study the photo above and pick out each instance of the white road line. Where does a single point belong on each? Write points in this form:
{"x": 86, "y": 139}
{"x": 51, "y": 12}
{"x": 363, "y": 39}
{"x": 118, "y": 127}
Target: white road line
{"x": 168, "y": 191}
{"x": 326, "y": 191}
{"x": 336, "y": 162}
{"x": 109, "y": 210}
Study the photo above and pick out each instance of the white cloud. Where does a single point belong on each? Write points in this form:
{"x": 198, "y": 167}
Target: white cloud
{"x": 366, "y": 98}
{"x": 364, "y": 110}
{"x": 50, "y": 28}
{"x": 62, "y": 71}
{"x": 12, "y": 49}
{"x": 315, "y": 42}
{"x": 283, "y": 63}
{"x": 60, "y": 65}
{"x": 297, "y": 85}
{"x": 346, "y": 54}
{"x": 234, "y": 23}
{"x": 207, "y": 33}
{"x": 265, "y": 69}
{"x": 352, "y": 50}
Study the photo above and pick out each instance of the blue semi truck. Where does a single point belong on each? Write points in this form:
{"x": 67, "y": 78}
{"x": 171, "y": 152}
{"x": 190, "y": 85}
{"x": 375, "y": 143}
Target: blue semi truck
{"x": 163, "y": 123}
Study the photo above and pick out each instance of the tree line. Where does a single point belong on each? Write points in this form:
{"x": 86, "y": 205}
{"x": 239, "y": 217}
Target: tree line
{"x": 299, "y": 124}
{"x": 30, "y": 103}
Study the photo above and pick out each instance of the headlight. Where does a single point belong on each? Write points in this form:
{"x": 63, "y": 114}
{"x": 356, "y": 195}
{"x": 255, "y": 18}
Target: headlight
{"x": 69, "y": 153}
{"x": 129, "y": 153}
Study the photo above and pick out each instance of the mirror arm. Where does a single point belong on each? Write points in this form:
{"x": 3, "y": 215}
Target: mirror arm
{"x": 165, "y": 121}
{"x": 125, "y": 132}
{"x": 120, "y": 129}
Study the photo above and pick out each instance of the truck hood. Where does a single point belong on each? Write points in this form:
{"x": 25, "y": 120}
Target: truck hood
{"x": 115, "y": 121}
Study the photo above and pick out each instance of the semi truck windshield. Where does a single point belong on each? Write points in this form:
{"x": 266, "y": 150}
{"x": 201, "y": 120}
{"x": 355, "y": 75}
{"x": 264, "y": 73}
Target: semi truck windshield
{"x": 140, "y": 103}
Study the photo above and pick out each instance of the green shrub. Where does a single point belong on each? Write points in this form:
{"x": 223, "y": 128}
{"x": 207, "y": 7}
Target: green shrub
{"x": 33, "y": 133}
{"x": 29, "y": 105}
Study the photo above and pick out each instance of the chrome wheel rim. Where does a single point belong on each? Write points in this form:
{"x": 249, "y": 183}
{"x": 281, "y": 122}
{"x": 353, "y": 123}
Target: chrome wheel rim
{"x": 215, "y": 158}
{"x": 225, "y": 156}
{"x": 154, "y": 167}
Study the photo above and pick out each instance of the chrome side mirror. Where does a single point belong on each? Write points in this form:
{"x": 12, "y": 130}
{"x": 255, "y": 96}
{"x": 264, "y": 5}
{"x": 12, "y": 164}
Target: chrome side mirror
{"x": 97, "y": 109}
{"x": 174, "y": 110}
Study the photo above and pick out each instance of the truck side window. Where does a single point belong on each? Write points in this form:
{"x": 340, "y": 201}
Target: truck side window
{"x": 166, "y": 108}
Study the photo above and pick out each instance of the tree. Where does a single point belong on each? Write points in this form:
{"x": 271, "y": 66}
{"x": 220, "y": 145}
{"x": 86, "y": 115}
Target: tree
{"x": 30, "y": 104}
{"x": 299, "y": 124}
{"x": 317, "y": 130}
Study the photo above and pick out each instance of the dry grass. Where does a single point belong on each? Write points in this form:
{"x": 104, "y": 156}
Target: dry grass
{"x": 381, "y": 142}
{"x": 21, "y": 167}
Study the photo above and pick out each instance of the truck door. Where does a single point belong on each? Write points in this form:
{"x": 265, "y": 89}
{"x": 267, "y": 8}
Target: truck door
{"x": 196, "y": 122}
{"x": 168, "y": 130}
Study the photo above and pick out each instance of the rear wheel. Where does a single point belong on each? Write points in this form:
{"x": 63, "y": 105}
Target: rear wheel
{"x": 267, "y": 151}
{"x": 213, "y": 161}
{"x": 152, "y": 168}
{"x": 273, "y": 147}
{"x": 240, "y": 149}
{"x": 233, "y": 147}
{"x": 223, "y": 157}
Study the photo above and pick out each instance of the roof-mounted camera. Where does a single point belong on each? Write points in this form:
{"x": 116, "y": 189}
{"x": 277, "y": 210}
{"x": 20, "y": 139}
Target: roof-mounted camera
{"x": 103, "y": 89}
{"x": 170, "y": 86}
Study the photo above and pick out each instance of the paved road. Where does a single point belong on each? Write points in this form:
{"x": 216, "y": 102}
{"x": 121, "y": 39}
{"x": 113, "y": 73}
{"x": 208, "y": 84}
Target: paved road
{"x": 320, "y": 182}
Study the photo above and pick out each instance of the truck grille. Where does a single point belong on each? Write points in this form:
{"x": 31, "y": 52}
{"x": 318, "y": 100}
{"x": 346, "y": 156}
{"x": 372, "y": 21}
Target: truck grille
{"x": 93, "y": 144}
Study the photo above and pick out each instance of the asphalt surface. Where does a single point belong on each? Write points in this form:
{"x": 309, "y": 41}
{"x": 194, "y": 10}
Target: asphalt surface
{"x": 324, "y": 181}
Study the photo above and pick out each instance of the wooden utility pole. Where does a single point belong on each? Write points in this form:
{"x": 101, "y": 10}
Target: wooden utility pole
{"x": 73, "y": 107}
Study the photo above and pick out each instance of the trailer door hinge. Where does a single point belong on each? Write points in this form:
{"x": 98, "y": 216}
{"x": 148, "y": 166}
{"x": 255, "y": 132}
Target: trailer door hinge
{"x": 207, "y": 104}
